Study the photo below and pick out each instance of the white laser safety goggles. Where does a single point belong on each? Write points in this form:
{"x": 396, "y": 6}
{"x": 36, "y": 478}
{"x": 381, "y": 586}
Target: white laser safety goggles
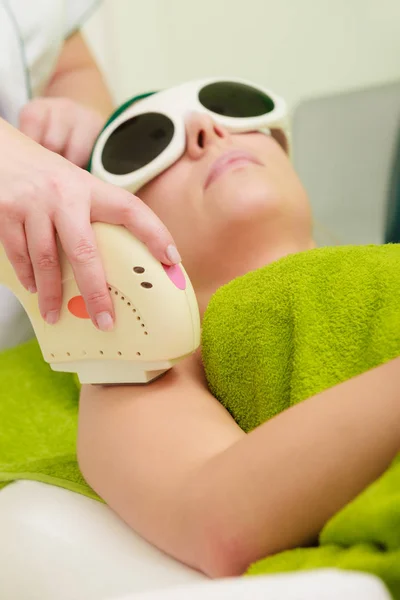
{"x": 147, "y": 134}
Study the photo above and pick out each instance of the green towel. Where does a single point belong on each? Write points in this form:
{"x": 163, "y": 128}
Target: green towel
{"x": 303, "y": 324}
{"x": 270, "y": 339}
{"x": 38, "y": 421}
{"x": 290, "y": 330}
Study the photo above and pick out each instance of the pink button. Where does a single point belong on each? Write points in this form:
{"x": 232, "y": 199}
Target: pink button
{"x": 176, "y": 275}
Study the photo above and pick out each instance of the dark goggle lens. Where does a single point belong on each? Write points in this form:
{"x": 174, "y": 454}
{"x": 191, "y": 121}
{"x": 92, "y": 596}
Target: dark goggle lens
{"x": 235, "y": 100}
{"x": 136, "y": 142}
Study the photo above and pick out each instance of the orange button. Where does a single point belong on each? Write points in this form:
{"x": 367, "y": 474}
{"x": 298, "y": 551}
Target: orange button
{"x": 77, "y": 307}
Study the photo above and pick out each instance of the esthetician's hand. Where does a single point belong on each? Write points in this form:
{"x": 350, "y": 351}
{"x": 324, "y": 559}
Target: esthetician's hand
{"x": 63, "y": 126}
{"x": 41, "y": 194}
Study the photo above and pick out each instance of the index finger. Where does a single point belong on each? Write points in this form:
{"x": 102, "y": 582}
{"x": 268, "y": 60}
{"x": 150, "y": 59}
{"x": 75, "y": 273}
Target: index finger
{"x": 116, "y": 206}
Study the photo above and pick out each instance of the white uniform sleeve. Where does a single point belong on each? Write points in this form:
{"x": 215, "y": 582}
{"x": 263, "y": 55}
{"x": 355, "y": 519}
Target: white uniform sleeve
{"x": 76, "y": 13}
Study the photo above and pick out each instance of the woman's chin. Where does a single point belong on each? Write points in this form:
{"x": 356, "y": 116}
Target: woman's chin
{"x": 243, "y": 197}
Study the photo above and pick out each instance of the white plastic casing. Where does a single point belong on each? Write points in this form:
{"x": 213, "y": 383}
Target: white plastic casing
{"x": 156, "y": 325}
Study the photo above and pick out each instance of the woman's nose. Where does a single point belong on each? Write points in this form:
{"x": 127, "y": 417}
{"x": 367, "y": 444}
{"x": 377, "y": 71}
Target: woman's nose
{"x": 201, "y": 133}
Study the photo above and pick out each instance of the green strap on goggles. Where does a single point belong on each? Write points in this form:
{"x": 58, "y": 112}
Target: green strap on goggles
{"x": 112, "y": 118}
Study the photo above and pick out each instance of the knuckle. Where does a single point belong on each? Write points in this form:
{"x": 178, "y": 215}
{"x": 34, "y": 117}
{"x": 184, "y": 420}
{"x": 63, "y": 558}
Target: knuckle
{"x": 128, "y": 209}
{"x": 96, "y": 122}
{"x": 46, "y": 261}
{"x": 97, "y": 297}
{"x": 30, "y": 190}
{"x": 59, "y": 193}
{"x": 65, "y": 104}
{"x": 68, "y": 189}
{"x": 31, "y": 113}
{"x": 85, "y": 252}
{"x": 52, "y": 299}
{"x": 131, "y": 205}
{"x": 55, "y": 184}
{"x": 138, "y": 216}
{"x": 51, "y": 144}
{"x": 47, "y": 189}
{"x": 20, "y": 259}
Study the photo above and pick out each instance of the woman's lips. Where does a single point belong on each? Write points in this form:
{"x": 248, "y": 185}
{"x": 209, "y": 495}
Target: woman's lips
{"x": 234, "y": 158}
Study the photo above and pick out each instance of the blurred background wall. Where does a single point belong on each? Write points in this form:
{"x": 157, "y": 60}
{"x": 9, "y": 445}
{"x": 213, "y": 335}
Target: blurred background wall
{"x": 336, "y": 63}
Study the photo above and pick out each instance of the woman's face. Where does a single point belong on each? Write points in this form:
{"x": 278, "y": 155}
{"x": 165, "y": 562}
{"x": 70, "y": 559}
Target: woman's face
{"x": 230, "y": 198}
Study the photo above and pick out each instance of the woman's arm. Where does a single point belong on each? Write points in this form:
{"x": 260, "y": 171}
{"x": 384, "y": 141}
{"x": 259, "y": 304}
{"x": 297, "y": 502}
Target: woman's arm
{"x": 78, "y": 78}
{"x": 174, "y": 465}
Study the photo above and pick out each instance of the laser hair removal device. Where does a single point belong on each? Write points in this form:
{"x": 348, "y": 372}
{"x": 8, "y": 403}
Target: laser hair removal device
{"x": 157, "y": 320}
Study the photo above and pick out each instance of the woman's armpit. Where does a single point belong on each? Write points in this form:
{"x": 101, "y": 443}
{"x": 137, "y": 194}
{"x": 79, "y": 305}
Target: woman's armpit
{"x": 137, "y": 447}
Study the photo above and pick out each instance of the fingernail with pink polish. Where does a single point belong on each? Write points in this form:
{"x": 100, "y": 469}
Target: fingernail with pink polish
{"x": 105, "y": 321}
{"x": 173, "y": 255}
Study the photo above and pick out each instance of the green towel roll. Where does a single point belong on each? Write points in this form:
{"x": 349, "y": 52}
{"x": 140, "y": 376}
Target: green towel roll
{"x": 38, "y": 421}
{"x": 303, "y": 324}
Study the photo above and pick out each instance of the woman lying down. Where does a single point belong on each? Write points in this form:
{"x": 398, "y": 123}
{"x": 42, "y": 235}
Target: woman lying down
{"x": 169, "y": 458}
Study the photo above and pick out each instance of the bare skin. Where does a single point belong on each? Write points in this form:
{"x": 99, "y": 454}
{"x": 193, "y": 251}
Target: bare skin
{"x": 175, "y": 466}
{"x": 167, "y": 457}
